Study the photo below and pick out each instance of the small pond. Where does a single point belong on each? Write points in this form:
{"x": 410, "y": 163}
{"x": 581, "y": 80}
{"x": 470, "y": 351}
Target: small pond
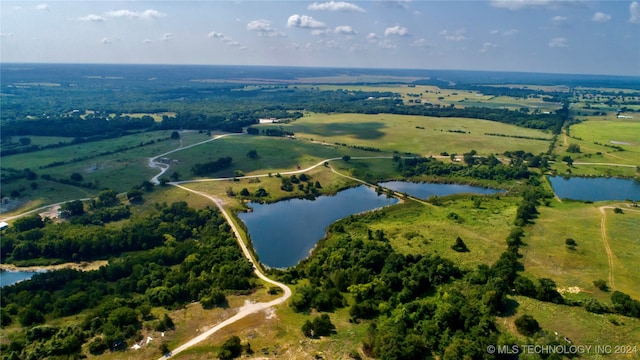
{"x": 11, "y": 277}
{"x": 285, "y": 232}
{"x": 425, "y": 190}
{"x": 595, "y": 189}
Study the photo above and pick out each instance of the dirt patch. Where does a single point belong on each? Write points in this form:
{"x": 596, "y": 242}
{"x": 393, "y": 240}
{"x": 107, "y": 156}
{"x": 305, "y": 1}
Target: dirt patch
{"x": 83, "y": 266}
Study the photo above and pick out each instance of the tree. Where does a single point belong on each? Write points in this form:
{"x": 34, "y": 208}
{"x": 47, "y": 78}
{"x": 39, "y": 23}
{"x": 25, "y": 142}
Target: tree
{"x": 573, "y": 148}
{"x": 76, "y": 177}
{"x": 74, "y": 208}
{"x": 135, "y": 194}
{"x": 25, "y": 141}
{"x": 460, "y": 246}
{"x": 571, "y": 243}
{"x": 231, "y": 348}
{"x": 175, "y": 176}
{"x": 568, "y": 160}
{"x": 106, "y": 197}
{"x": 346, "y": 158}
{"x": 244, "y": 192}
{"x": 601, "y": 284}
{"x": 253, "y": 154}
{"x": 175, "y": 135}
{"x": 527, "y": 325}
{"x": 618, "y": 211}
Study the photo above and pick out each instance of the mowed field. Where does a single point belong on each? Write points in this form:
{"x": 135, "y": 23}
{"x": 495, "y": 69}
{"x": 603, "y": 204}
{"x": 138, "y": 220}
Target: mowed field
{"x": 417, "y": 134}
{"x": 608, "y": 130}
{"x": 547, "y": 255}
{"x": 274, "y": 155}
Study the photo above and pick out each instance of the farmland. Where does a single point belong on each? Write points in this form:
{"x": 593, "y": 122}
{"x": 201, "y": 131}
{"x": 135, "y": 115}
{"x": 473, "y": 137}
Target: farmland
{"x": 425, "y": 274}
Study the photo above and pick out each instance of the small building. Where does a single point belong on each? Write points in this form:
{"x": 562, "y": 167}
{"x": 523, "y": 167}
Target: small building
{"x": 3, "y": 225}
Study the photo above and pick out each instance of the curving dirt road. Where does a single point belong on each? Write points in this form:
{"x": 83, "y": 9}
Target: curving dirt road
{"x": 603, "y": 230}
{"x": 247, "y": 309}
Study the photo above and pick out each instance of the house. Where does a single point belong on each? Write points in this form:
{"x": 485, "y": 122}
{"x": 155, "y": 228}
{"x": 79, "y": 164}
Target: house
{"x": 3, "y": 225}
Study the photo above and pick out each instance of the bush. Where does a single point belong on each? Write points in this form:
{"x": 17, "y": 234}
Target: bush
{"x": 231, "y": 348}
{"x": 460, "y": 246}
{"x": 319, "y": 326}
{"x": 527, "y": 325}
{"x": 570, "y": 242}
{"x": 601, "y": 284}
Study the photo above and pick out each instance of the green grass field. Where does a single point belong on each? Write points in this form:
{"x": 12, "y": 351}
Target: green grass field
{"x": 547, "y": 255}
{"x": 608, "y": 130}
{"x": 416, "y": 134}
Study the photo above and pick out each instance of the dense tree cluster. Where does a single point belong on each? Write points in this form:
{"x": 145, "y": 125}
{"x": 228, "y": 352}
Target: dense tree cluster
{"x": 192, "y": 256}
{"x": 202, "y": 169}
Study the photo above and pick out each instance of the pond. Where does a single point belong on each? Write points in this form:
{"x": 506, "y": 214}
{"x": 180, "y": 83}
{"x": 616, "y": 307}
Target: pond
{"x": 11, "y": 277}
{"x": 595, "y": 189}
{"x": 285, "y": 232}
{"x": 425, "y": 190}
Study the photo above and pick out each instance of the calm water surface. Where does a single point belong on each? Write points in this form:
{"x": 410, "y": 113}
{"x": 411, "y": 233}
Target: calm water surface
{"x": 11, "y": 277}
{"x": 595, "y": 189}
{"x": 425, "y": 190}
{"x": 284, "y": 233}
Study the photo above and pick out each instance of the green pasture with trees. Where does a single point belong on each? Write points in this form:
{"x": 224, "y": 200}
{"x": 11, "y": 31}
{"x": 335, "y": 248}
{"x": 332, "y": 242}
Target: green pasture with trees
{"x": 442, "y": 277}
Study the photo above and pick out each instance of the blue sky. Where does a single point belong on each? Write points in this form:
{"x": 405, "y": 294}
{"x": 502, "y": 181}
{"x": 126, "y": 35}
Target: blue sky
{"x": 569, "y": 36}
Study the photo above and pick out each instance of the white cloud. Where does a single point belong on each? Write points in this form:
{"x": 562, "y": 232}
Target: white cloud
{"x": 420, "y": 43}
{"x": 494, "y": 32}
{"x": 107, "y": 41}
{"x": 634, "y": 10}
{"x": 216, "y": 35}
{"x": 92, "y": 18}
{"x": 396, "y": 31}
{"x": 601, "y": 17}
{"x": 402, "y": 4}
{"x": 43, "y": 7}
{"x": 387, "y": 44}
{"x": 559, "y": 18}
{"x": 336, "y": 6}
{"x": 304, "y": 21}
{"x": 321, "y": 32}
{"x": 147, "y": 14}
{"x": 167, "y": 36}
{"x": 263, "y": 28}
{"x": 510, "y": 32}
{"x": 344, "y": 30}
{"x": 523, "y": 4}
{"x": 457, "y": 35}
{"x": 372, "y": 37}
{"x": 558, "y": 42}
{"x": 487, "y": 46}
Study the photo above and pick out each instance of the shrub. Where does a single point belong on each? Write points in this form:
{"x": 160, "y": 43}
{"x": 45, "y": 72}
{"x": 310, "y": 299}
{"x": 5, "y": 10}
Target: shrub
{"x": 527, "y": 325}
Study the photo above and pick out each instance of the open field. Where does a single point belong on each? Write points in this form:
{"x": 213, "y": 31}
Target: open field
{"x": 415, "y": 228}
{"x": 416, "y": 134}
{"x": 274, "y": 155}
{"x": 607, "y": 132}
{"x": 444, "y": 97}
{"x": 547, "y": 255}
{"x": 579, "y": 325}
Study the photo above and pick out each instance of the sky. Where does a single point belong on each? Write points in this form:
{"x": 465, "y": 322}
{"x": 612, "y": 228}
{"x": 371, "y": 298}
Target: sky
{"x": 551, "y": 36}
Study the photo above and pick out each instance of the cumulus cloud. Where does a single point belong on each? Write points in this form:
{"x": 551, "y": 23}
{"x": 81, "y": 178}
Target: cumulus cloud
{"x": 43, "y": 7}
{"x": 558, "y": 42}
{"x": 304, "y": 21}
{"x": 91, "y": 18}
{"x": 559, "y": 18}
{"x": 601, "y": 17}
{"x": 420, "y": 43}
{"x": 396, "y": 31}
{"x": 372, "y": 37}
{"x": 336, "y": 6}
{"x": 321, "y": 32}
{"x": 457, "y": 35}
{"x": 344, "y": 30}
{"x": 263, "y": 28}
{"x": 634, "y": 10}
{"x": 148, "y": 14}
{"x": 106, "y": 41}
{"x": 216, "y": 35}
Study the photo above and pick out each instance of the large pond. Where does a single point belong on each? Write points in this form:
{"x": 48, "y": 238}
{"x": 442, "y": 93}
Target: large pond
{"x": 425, "y": 190}
{"x": 595, "y": 189}
{"x": 11, "y": 277}
{"x": 285, "y": 232}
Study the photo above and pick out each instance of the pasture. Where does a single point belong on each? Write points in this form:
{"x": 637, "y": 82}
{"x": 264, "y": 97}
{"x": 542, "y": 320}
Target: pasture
{"x": 608, "y": 131}
{"x": 546, "y": 255}
{"x": 417, "y": 134}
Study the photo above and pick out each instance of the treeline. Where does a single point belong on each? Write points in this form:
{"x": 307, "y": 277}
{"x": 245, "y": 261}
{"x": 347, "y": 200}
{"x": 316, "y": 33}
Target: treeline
{"x": 202, "y": 169}
{"x": 197, "y": 259}
{"x": 489, "y": 168}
